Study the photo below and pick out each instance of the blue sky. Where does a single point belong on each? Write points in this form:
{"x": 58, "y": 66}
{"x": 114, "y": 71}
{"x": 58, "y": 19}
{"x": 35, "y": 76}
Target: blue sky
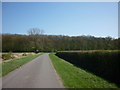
{"x": 98, "y": 19}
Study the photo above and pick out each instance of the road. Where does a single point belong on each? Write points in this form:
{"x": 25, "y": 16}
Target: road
{"x": 38, "y": 73}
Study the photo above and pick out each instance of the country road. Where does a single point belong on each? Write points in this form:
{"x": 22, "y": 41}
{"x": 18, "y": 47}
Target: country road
{"x": 38, "y": 73}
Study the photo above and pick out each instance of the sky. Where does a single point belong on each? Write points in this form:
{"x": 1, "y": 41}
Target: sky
{"x": 98, "y": 19}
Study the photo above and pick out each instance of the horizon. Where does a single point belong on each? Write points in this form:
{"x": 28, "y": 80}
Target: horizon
{"x": 61, "y": 35}
{"x": 98, "y": 19}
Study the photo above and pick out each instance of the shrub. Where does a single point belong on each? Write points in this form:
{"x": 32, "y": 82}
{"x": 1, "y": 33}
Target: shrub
{"x": 7, "y": 56}
{"x": 24, "y": 54}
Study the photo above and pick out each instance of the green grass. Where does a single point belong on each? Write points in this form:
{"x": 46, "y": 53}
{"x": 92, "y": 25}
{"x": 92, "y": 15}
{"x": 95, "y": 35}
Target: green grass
{"x": 13, "y": 64}
{"x": 105, "y": 63}
{"x": 74, "y": 77}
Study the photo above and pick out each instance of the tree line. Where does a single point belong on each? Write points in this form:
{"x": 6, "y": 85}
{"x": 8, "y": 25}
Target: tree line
{"x": 40, "y": 42}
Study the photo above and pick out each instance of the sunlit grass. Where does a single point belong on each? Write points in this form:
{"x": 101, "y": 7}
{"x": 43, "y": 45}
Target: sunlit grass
{"x": 74, "y": 77}
{"x": 13, "y": 64}
{"x": 91, "y": 51}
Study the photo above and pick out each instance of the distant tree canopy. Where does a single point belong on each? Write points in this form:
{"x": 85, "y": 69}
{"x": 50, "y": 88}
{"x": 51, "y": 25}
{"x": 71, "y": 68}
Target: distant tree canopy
{"x": 34, "y": 36}
{"x": 20, "y": 43}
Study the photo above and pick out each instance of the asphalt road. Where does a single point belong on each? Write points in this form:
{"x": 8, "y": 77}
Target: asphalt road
{"x": 38, "y": 73}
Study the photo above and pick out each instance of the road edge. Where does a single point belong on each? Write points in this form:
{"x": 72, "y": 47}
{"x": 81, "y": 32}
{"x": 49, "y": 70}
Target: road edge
{"x": 57, "y": 75}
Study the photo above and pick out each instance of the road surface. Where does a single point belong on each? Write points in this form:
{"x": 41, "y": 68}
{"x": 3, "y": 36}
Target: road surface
{"x": 38, "y": 73}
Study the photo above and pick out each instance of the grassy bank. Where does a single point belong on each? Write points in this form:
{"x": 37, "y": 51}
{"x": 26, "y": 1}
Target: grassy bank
{"x": 74, "y": 77}
{"x": 103, "y": 63}
{"x": 13, "y": 64}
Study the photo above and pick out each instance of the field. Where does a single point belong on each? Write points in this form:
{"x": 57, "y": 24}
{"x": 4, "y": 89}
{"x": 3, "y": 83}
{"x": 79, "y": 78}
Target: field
{"x": 75, "y": 77}
{"x": 91, "y": 51}
{"x": 102, "y": 63}
{"x": 15, "y": 63}
{"x": 10, "y": 55}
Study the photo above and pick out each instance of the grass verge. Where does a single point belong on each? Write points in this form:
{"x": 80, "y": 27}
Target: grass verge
{"x": 13, "y": 64}
{"x": 74, "y": 77}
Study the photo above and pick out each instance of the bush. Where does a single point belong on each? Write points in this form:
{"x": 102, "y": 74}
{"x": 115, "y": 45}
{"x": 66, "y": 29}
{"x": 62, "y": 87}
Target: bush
{"x": 24, "y": 54}
{"x": 104, "y": 64}
{"x": 7, "y": 56}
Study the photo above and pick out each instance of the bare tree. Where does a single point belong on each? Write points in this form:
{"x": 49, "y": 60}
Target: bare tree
{"x": 35, "y": 33}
